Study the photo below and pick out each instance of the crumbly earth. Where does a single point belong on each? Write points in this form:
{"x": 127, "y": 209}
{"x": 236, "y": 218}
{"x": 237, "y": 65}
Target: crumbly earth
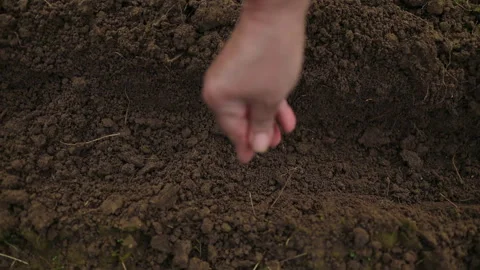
{"x": 110, "y": 160}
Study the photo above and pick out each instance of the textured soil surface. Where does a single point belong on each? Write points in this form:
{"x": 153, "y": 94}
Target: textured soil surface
{"x": 110, "y": 160}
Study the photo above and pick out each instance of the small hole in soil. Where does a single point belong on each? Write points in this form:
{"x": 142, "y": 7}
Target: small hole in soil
{"x": 189, "y": 11}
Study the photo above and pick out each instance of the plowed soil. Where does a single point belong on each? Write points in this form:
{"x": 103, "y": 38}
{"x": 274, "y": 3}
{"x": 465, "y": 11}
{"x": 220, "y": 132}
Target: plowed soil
{"x": 110, "y": 160}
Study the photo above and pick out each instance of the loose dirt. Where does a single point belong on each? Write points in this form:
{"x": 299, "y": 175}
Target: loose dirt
{"x": 110, "y": 160}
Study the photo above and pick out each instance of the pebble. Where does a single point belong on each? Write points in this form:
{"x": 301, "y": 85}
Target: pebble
{"x": 197, "y": 264}
{"x": 436, "y": 7}
{"x": 207, "y": 226}
{"x": 412, "y": 159}
{"x": 128, "y": 169}
{"x": 45, "y": 162}
{"x": 160, "y": 243}
{"x": 111, "y": 204}
{"x": 17, "y": 164}
{"x": 361, "y": 237}
{"x": 386, "y": 258}
{"x": 226, "y": 227}
{"x": 376, "y": 245}
{"x": 410, "y": 257}
{"x": 186, "y": 132}
{"x": 39, "y": 140}
{"x": 129, "y": 242}
{"x": 353, "y": 265}
{"x": 108, "y": 123}
{"x": 181, "y": 251}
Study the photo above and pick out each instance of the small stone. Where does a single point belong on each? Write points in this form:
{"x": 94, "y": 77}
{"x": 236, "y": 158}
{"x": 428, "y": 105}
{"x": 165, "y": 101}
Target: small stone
{"x": 412, "y": 159}
{"x": 410, "y": 257}
{"x": 206, "y": 188}
{"x": 386, "y": 258}
{"x": 191, "y": 142}
{"x": 436, "y": 7}
{"x": 397, "y": 250}
{"x": 397, "y": 265}
{"x": 128, "y": 169}
{"x": 22, "y": 4}
{"x": 167, "y": 197}
{"x": 79, "y": 83}
{"x": 197, "y": 264}
{"x": 361, "y": 237}
{"x": 376, "y": 245}
{"x": 160, "y": 243}
{"x": 181, "y": 251}
{"x": 391, "y": 37}
{"x": 129, "y": 242}
{"x": 45, "y": 162}
{"x": 151, "y": 166}
{"x": 17, "y": 164}
{"x": 444, "y": 26}
{"x": 111, "y": 204}
{"x": 353, "y": 265}
{"x": 274, "y": 265}
{"x": 186, "y": 132}
{"x": 108, "y": 123}
{"x": 130, "y": 224}
{"x": 207, "y": 226}
{"x": 226, "y": 227}
{"x": 39, "y": 140}
{"x": 429, "y": 239}
{"x": 132, "y": 158}
{"x": 145, "y": 149}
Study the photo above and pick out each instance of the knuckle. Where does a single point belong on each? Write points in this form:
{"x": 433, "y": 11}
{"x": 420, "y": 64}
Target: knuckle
{"x": 212, "y": 89}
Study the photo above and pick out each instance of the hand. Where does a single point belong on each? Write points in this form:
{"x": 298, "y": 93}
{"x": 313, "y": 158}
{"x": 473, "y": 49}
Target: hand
{"x": 247, "y": 85}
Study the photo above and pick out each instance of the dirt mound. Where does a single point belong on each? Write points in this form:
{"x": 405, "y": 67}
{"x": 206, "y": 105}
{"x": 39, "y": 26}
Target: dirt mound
{"x": 109, "y": 159}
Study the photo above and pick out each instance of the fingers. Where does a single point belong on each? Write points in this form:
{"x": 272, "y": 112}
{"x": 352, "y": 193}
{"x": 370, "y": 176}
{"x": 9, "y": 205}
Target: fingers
{"x": 262, "y": 126}
{"x": 233, "y": 121}
{"x": 277, "y": 136}
{"x": 286, "y": 117}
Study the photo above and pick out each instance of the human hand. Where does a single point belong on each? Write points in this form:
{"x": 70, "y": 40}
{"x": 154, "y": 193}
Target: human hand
{"x": 248, "y": 83}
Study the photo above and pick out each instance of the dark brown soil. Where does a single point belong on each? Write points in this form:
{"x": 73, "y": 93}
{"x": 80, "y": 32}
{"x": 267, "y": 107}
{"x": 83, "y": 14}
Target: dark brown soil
{"x": 110, "y": 160}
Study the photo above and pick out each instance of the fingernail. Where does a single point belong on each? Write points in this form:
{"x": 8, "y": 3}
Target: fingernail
{"x": 261, "y": 142}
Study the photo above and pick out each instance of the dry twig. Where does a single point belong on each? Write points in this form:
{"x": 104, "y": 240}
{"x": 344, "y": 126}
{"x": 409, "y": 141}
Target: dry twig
{"x": 294, "y": 257}
{"x": 13, "y": 258}
{"x": 251, "y": 202}
{"x": 128, "y": 106}
{"x": 92, "y": 141}
{"x": 281, "y": 191}
{"x": 445, "y": 197}
{"x": 171, "y": 60}
{"x": 456, "y": 170}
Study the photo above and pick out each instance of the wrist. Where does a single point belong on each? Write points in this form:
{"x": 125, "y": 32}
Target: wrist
{"x": 273, "y": 11}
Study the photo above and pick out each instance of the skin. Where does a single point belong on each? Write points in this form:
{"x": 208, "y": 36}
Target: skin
{"x": 247, "y": 85}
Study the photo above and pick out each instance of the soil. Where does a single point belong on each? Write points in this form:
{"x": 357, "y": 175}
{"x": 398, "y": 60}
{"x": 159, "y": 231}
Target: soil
{"x": 110, "y": 160}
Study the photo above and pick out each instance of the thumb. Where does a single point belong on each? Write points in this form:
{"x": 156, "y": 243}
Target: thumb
{"x": 262, "y": 123}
